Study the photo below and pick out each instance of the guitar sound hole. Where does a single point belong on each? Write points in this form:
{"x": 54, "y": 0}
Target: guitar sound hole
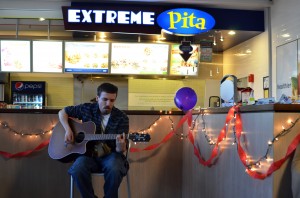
{"x": 79, "y": 137}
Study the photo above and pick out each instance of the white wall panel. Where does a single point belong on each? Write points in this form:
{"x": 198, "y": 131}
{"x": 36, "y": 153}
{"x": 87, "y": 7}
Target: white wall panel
{"x": 285, "y": 19}
{"x": 250, "y": 57}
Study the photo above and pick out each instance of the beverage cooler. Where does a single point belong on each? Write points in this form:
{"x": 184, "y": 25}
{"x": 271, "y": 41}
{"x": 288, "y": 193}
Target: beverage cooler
{"x": 28, "y": 94}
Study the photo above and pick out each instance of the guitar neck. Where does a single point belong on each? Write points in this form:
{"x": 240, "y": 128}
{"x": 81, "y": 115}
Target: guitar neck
{"x": 90, "y": 137}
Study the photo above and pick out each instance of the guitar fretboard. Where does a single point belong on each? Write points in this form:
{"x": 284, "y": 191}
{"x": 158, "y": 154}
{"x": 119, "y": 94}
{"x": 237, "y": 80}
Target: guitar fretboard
{"x": 90, "y": 137}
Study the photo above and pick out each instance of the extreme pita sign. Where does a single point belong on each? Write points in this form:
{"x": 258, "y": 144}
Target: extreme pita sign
{"x": 182, "y": 21}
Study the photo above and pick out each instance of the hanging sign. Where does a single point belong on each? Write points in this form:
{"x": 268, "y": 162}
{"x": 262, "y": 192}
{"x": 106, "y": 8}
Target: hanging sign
{"x": 151, "y": 18}
{"x": 185, "y": 49}
{"x": 135, "y": 19}
{"x": 206, "y": 51}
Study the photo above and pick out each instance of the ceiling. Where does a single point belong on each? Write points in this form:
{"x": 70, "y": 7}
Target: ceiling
{"x": 54, "y": 28}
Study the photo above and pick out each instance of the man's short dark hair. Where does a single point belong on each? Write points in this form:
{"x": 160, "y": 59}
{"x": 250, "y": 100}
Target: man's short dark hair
{"x": 108, "y": 88}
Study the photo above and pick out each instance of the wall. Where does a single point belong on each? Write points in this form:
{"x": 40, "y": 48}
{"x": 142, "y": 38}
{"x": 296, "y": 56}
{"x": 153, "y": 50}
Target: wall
{"x": 285, "y": 19}
{"x": 59, "y": 87}
{"x": 212, "y": 88}
{"x": 250, "y": 57}
{"x": 85, "y": 89}
{"x": 167, "y": 89}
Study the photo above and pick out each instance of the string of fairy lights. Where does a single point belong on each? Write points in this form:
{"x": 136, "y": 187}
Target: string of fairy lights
{"x": 41, "y": 132}
{"x": 150, "y": 127}
{"x": 250, "y": 163}
{"x": 266, "y": 156}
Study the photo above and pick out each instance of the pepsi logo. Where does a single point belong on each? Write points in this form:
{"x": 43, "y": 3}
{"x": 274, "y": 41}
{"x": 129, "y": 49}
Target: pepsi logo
{"x": 19, "y": 86}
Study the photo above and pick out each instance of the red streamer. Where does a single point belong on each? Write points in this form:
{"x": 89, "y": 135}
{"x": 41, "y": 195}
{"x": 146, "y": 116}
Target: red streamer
{"x": 187, "y": 117}
{"x": 154, "y": 146}
{"x": 25, "y": 153}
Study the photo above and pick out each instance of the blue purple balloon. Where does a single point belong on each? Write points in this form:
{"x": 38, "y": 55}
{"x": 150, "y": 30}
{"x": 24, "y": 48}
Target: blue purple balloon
{"x": 185, "y": 98}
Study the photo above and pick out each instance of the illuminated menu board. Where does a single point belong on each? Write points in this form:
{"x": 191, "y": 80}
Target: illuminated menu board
{"x": 47, "y": 56}
{"x": 141, "y": 58}
{"x": 86, "y": 57}
{"x": 15, "y": 56}
{"x": 180, "y": 67}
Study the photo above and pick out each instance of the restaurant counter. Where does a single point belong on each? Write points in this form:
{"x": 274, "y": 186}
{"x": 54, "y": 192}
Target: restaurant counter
{"x": 168, "y": 167}
{"x": 243, "y": 136}
{"x": 214, "y": 110}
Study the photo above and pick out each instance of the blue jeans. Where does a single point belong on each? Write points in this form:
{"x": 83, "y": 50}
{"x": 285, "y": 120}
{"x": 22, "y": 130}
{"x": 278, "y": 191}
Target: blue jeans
{"x": 114, "y": 166}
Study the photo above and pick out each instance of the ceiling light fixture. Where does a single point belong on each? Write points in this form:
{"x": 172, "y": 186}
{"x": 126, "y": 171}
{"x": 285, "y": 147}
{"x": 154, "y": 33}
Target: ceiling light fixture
{"x": 248, "y": 51}
{"x": 221, "y": 38}
{"x": 162, "y": 36}
{"x": 215, "y": 41}
{"x": 102, "y": 35}
{"x": 286, "y": 35}
{"x": 42, "y": 19}
{"x": 231, "y": 32}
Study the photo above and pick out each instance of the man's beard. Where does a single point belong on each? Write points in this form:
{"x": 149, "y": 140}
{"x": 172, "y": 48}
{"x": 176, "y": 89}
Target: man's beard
{"x": 106, "y": 110}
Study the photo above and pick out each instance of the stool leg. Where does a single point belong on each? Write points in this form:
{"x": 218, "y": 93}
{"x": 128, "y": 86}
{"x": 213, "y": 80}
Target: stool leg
{"x": 128, "y": 186}
{"x": 71, "y": 187}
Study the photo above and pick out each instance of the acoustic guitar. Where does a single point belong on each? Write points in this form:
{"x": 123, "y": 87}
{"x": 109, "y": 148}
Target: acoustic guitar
{"x": 83, "y": 133}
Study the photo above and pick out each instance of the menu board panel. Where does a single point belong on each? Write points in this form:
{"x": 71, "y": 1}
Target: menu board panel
{"x": 86, "y": 57}
{"x": 180, "y": 67}
{"x": 15, "y": 56}
{"x": 47, "y": 56}
{"x": 140, "y": 58}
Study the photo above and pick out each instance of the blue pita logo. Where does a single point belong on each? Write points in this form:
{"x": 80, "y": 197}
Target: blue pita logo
{"x": 185, "y": 21}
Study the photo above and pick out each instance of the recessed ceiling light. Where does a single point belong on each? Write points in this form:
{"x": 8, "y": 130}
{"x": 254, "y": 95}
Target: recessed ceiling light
{"x": 286, "y": 35}
{"x": 248, "y": 51}
{"x": 102, "y": 35}
{"x": 231, "y": 32}
{"x": 42, "y": 19}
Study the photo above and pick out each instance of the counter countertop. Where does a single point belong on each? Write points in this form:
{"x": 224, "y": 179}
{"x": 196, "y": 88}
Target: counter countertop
{"x": 258, "y": 108}
{"x": 55, "y": 111}
{"x": 248, "y": 108}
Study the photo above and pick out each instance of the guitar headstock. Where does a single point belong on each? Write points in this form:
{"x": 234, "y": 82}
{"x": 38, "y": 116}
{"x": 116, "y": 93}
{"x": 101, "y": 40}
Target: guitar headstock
{"x": 139, "y": 137}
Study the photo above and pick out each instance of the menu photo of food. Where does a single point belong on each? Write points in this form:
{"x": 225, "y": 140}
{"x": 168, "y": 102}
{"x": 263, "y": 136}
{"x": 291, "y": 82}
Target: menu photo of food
{"x": 86, "y": 57}
{"x": 179, "y": 66}
{"x": 141, "y": 58}
{"x": 15, "y": 56}
{"x": 47, "y": 56}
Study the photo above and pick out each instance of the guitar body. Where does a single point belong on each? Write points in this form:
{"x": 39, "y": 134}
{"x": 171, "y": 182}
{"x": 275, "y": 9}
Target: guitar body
{"x": 57, "y": 148}
{"x": 83, "y": 133}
